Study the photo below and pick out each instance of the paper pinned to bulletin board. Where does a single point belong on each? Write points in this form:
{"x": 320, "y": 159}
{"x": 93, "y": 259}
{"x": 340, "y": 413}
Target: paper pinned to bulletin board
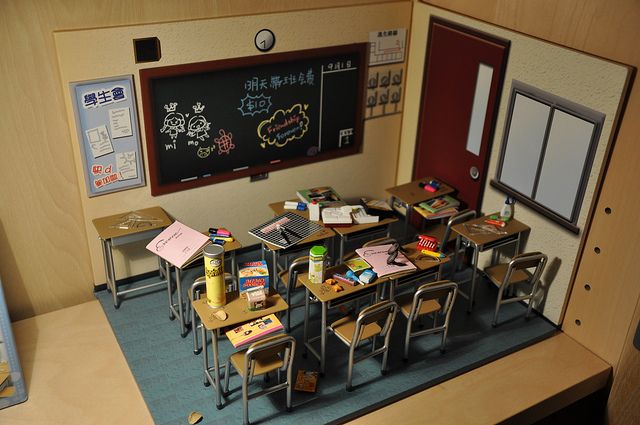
{"x": 108, "y": 132}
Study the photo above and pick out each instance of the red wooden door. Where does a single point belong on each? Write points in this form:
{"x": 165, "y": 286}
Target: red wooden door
{"x": 461, "y": 90}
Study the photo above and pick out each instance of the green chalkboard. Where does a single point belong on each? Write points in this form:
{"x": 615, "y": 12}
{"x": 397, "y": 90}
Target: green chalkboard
{"x": 214, "y": 121}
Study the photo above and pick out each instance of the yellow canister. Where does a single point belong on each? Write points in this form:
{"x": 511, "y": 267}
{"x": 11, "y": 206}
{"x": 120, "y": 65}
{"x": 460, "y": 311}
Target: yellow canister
{"x": 214, "y": 274}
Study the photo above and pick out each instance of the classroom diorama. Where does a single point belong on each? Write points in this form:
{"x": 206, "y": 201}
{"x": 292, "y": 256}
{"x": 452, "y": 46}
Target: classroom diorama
{"x": 336, "y": 212}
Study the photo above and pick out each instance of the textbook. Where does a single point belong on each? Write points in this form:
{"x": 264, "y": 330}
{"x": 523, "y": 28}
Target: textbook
{"x": 378, "y": 255}
{"x": 356, "y": 264}
{"x": 324, "y": 195}
{"x": 377, "y": 207}
{"x": 447, "y": 212}
{"x": 438, "y": 204}
{"x": 178, "y": 244}
{"x": 337, "y": 215}
{"x": 250, "y": 332}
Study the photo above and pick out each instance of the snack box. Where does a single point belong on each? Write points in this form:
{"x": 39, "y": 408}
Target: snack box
{"x": 256, "y": 298}
{"x": 252, "y": 274}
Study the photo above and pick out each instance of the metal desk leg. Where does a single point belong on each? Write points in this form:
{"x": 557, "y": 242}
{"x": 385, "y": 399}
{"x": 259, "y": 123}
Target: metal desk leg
{"x": 454, "y": 266}
{"x": 305, "y": 337}
{"x": 274, "y": 259}
{"x": 183, "y": 329}
{"x": 106, "y": 264}
{"x": 205, "y": 356}
{"x": 341, "y": 252}
{"x": 167, "y": 271}
{"x": 216, "y": 368}
{"x": 111, "y": 274}
{"x": 474, "y": 273}
{"x": 323, "y": 338}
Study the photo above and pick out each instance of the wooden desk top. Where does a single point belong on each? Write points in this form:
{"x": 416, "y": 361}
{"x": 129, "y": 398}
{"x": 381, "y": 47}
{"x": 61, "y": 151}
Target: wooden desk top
{"x": 325, "y": 293}
{"x": 236, "y": 309}
{"x": 278, "y": 208}
{"x": 324, "y": 233}
{"x": 107, "y": 226}
{"x": 411, "y": 193}
{"x": 359, "y": 227}
{"x": 512, "y": 228}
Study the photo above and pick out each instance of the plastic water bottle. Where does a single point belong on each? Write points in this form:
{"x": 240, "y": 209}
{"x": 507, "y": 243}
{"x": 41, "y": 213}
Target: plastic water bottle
{"x": 506, "y": 213}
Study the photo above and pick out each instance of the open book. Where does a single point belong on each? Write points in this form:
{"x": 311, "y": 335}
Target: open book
{"x": 254, "y": 330}
{"x": 178, "y": 244}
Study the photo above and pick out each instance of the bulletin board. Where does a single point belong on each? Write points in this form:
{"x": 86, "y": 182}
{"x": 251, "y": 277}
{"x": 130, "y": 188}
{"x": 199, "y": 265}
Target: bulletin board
{"x": 214, "y": 121}
{"x": 109, "y": 135}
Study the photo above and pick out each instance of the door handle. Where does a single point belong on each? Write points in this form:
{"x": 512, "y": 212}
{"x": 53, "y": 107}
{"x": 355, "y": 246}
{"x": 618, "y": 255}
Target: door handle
{"x": 474, "y": 173}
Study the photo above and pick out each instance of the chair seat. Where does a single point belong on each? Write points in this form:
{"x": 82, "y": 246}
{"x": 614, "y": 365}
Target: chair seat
{"x": 405, "y": 302}
{"x": 497, "y": 273}
{"x": 345, "y": 327}
{"x": 262, "y": 365}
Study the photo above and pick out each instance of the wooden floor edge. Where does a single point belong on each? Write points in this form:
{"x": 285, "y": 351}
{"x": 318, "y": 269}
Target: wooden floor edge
{"x": 519, "y": 388}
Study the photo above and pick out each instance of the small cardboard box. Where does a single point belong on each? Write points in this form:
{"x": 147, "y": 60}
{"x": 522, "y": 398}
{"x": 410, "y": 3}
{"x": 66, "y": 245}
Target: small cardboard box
{"x": 253, "y": 274}
{"x": 256, "y": 298}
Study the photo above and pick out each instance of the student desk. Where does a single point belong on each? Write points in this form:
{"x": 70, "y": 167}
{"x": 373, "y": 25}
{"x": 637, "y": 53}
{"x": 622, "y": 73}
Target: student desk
{"x": 356, "y": 230}
{"x": 124, "y": 228}
{"x": 329, "y": 299}
{"x": 480, "y": 242}
{"x": 176, "y": 309}
{"x": 409, "y": 194}
{"x": 321, "y": 235}
{"x": 237, "y": 313}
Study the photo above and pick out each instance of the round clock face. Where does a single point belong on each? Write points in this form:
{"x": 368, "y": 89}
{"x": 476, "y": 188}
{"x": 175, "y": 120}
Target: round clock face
{"x": 265, "y": 39}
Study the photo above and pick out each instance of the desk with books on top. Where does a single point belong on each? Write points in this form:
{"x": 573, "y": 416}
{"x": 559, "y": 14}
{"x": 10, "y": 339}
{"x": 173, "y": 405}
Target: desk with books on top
{"x": 483, "y": 237}
{"x": 237, "y": 312}
{"x": 323, "y": 235}
{"x": 124, "y": 228}
{"x": 405, "y": 196}
{"x": 425, "y": 266}
{"x": 176, "y": 308}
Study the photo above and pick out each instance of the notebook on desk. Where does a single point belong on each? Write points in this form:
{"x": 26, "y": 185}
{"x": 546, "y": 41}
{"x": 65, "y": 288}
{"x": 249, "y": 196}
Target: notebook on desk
{"x": 377, "y": 257}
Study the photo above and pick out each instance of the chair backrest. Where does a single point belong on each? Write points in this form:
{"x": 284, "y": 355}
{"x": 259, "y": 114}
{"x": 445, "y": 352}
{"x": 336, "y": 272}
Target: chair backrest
{"x": 385, "y": 310}
{"x": 199, "y": 286}
{"x": 297, "y": 266}
{"x": 457, "y": 218}
{"x": 445, "y": 291}
{"x": 283, "y": 345}
{"x": 524, "y": 261}
{"x": 379, "y": 241}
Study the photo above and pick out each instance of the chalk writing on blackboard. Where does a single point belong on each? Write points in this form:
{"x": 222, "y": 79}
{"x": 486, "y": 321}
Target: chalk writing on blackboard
{"x": 214, "y": 121}
{"x": 284, "y": 126}
{"x": 198, "y": 124}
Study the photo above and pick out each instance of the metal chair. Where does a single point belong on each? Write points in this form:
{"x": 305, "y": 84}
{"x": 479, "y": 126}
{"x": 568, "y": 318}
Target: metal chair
{"x": 365, "y": 327}
{"x": 267, "y": 355}
{"x": 436, "y": 298}
{"x": 516, "y": 273}
{"x": 197, "y": 290}
{"x": 289, "y": 278}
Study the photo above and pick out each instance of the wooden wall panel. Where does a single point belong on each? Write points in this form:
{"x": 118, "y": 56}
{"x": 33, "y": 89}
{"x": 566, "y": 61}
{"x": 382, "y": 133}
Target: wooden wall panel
{"x": 608, "y": 29}
{"x": 44, "y": 256}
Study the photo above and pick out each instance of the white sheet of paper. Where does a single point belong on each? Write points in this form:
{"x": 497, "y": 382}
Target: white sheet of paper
{"x": 120, "y": 122}
{"x": 126, "y": 165}
{"x": 387, "y": 46}
{"x": 99, "y": 141}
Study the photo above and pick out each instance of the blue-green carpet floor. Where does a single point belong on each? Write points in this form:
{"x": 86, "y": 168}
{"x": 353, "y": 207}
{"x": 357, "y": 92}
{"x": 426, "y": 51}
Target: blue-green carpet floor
{"x": 170, "y": 376}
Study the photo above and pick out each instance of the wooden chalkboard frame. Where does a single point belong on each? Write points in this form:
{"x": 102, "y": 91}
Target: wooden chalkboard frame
{"x": 149, "y": 75}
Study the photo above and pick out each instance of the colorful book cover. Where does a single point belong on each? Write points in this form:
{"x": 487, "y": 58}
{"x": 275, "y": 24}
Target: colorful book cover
{"x": 178, "y": 244}
{"x": 324, "y": 195}
{"x": 437, "y": 204}
{"x": 377, "y": 256}
{"x": 253, "y": 274}
{"x": 356, "y": 264}
{"x": 254, "y": 330}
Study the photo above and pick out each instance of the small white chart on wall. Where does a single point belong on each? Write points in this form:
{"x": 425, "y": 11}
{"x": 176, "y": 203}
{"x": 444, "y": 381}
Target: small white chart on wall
{"x": 387, "y": 46}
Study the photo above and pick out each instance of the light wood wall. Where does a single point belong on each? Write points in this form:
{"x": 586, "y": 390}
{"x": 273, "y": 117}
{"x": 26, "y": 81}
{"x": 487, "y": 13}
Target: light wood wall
{"x": 608, "y": 29}
{"x": 44, "y": 246}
